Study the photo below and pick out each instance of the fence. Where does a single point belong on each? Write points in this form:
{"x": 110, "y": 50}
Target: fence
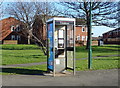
{"x": 84, "y": 43}
{"x": 10, "y": 42}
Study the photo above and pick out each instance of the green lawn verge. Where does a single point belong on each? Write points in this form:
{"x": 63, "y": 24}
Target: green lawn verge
{"x": 81, "y": 52}
{"x": 99, "y": 63}
{"x": 22, "y": 56}
{"x": 19, "y": 54}
{"x": 18, "y": 47}
{"x": 81, "y": 65}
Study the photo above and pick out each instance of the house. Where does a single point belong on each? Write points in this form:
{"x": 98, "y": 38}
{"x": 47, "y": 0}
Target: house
{"x": 95, "y": 38}
{"x": 81, "y": 33}
{"x": 112, "y": 37}
{"x": 9, "y": 33}
{"x": 39, "y": 29}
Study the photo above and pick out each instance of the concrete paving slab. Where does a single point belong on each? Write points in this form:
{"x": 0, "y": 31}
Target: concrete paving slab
{"x": 82, "y": 78}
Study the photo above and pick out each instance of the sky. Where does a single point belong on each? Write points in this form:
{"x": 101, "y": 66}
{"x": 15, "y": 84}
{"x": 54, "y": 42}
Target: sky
{"x": 60, "y": 0}
{"x": 96, "y": 30}
{"x": 99, "y": 30}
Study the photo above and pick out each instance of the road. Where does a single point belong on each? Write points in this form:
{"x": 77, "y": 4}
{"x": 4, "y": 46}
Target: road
{"x": 82, "y": 78}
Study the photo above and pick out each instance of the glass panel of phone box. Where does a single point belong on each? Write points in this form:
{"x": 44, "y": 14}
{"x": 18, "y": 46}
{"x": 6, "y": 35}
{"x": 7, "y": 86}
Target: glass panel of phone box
{"x": 64, "y": 43}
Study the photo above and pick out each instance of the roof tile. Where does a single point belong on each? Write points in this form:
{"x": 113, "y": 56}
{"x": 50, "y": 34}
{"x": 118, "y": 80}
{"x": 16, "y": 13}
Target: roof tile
{"x": 5, "y": 26}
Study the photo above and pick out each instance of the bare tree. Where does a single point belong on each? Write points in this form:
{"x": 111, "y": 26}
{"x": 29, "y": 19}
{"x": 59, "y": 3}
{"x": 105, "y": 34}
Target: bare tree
{"x": 23, "y": 12}
{"x": 118, "y": 14}
{"x": 1, "y": 3}
{"x": 103, "y": 13}
{"x": 1, "y": 10}
{"x": 30, "y": 13}
{"x": 45, "y": 10}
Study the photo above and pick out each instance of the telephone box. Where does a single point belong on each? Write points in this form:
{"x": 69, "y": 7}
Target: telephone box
{"x": 61, "y": 45}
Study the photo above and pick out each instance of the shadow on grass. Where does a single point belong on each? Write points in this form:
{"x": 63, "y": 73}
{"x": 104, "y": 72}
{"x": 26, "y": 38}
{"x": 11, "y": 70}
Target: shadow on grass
{"x": 30, "y": 56}
{"x": 104, "y": 50}
{"x": 11, "y": 48}
{"x": 20, "y": 47}
{"x": 106, "y": 59}
{"x": 23, "y": 71}
{"x": 117, "y": 46}
{"x": 98, "y": 49}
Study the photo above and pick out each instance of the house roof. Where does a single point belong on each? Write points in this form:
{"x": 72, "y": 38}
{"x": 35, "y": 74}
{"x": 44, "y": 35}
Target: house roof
{"x": 5, "y": 26}
{"x": 111, "y": 30}
{"x": 80, "y": 21}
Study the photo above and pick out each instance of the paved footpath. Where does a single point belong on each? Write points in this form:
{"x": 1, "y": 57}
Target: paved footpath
{"x": 40, "y": 63}
{"x": 82, "y": 78}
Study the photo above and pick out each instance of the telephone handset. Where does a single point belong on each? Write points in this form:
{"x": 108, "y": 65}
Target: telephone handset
{"x": 59, "y": 50}
{"x": 60, "y": 38}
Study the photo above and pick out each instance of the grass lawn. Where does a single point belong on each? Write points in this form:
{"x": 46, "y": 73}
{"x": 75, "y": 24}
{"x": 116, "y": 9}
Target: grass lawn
{"x": 99, "y": 63}
{"x": 81, "y": 52}
{"x": 18, "y": 54}
{"x": 81, "y": 65}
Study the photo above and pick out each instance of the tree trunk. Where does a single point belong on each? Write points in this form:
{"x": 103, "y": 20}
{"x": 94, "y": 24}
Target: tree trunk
{"x": 28, "y": 39}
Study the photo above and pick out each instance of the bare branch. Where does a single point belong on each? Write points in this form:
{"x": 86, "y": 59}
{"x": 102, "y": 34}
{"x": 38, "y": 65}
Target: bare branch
{"x": 31, "y": 14}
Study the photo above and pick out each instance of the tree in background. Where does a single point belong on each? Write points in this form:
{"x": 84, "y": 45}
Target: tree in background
{"x": 46, "y": 10}
{"x": 1, "y": 9}
{"x": 31, "y": 14}
{"x": 103, "y": 13}
{"x": 118, "y": 14}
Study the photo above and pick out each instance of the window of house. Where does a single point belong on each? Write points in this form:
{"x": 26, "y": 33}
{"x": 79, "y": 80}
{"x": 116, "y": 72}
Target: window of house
{"x": 86, "y": 38}
{"x": 12, "y": 37}
{"x": 12, "y": 28}
{"x": 18, "y": 37}
{"x": 83, "y": 38}
{"x": 86, "y": 29}
{"x": 17, "y": 28}
{"x": 83, "y": 29}
{"x": 110, "y": 33}
{"x": 78, "y": 37}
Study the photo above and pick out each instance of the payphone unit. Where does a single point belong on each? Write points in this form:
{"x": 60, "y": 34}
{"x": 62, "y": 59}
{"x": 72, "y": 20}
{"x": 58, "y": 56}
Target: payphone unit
{"x": 61, "y": 44}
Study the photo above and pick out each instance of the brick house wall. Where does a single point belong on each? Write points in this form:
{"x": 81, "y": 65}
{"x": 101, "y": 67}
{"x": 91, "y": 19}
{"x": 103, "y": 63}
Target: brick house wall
{"x": 81, "y": 33}
{"x": 112, "y": 37}
{"x": 39, "y": 31}
{"x": 20, "y": 39}
{"x": 10, "y": 31}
